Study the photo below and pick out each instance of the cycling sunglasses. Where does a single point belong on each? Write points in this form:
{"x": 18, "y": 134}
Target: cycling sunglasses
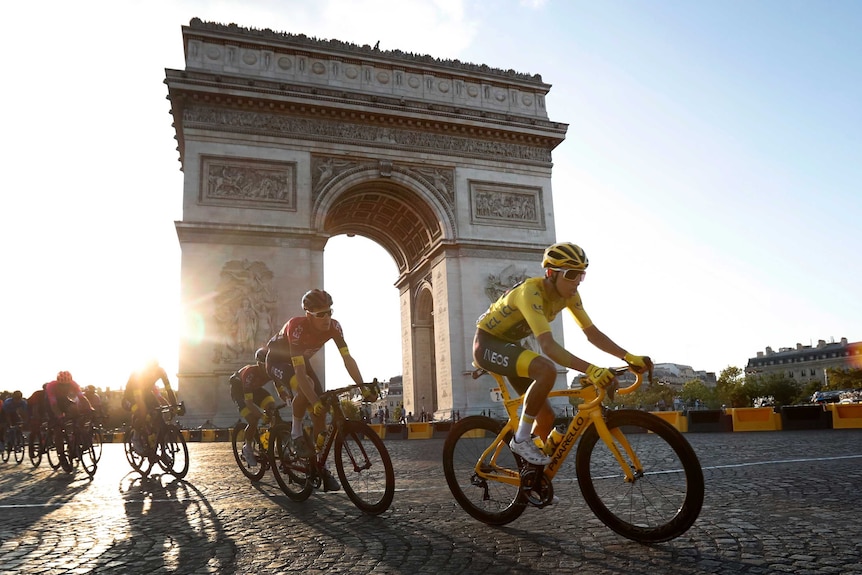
{"x": 571, "y": 275}
{"x": 323, "y": 313}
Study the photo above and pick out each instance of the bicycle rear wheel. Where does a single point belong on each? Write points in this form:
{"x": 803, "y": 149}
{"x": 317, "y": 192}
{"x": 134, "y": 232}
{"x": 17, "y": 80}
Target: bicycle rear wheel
{"x": 293, "y": 474}
{"x": 237, "y": 441}
{"x": 488, "y": 500}
{"x": 664, "y": 500}
{"x": 364, "y": 467}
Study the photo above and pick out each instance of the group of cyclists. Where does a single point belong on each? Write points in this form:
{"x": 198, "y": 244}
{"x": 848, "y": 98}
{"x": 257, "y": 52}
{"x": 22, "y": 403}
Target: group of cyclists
{"x": 63, "y": 399}
{"x": 526, "y": 309}
{"x": 285, "y": 361}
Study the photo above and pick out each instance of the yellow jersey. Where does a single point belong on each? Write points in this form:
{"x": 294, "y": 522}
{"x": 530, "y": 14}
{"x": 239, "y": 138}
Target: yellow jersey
{"x": 526, "y": 309}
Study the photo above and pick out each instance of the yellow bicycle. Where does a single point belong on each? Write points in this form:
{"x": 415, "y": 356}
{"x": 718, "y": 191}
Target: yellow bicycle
{"x": 636, "y": 471}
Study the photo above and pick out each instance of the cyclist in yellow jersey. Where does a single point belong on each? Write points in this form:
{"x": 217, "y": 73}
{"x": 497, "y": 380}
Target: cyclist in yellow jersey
{"x": 528, "y": 309}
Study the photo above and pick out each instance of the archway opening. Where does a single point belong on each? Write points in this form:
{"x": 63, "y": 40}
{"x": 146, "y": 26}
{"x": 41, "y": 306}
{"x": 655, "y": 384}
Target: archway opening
{"x": 360, "y": 275}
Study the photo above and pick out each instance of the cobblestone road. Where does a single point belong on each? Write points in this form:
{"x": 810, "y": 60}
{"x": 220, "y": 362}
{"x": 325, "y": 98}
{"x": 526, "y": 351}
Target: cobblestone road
{"x": 776, "y": 502}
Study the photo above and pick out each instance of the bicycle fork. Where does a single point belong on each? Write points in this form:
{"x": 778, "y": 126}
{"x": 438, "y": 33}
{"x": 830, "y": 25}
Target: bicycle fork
{"x": 632, "y": 468}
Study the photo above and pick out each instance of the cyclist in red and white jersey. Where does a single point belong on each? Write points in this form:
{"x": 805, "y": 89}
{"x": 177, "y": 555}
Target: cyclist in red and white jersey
{"x": 528, "y": 309}
{"x": 287, "y": 361}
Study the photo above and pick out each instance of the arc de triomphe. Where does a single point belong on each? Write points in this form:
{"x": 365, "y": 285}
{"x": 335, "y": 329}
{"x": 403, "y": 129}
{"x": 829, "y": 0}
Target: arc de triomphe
{"x": 286, "y": 141}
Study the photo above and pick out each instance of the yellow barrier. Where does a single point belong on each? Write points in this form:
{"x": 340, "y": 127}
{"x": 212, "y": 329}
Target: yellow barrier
{"x": 118, "y": 437}
{"x": 208, "y": 434}
{"x": 186, "y": 433}
{"x": 475, "y": 433}
{"x": 379, "y": 429}
{"x": 675, "y": 418}
{"x": 755, "y": 419}
{"x": 423, "y": 430}
{"x": 846, "y": 415}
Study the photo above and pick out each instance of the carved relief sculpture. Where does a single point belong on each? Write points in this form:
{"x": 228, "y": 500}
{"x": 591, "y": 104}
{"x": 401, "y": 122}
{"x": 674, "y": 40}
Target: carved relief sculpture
{"x": 494, "y": 204}
{"x": 245, "y": 310}
{"x": 229, "y": 181}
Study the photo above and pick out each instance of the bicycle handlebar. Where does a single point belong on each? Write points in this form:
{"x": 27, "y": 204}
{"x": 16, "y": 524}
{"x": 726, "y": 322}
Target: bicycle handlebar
{"x": 370, "y": 391}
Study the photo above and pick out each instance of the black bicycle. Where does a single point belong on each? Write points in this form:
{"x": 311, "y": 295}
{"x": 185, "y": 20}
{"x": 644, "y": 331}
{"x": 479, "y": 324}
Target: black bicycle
{"x": 271, "y": 420}
{"x": 163, "y": 444}
{"x": 14, "y": 443}
{"x": 361, "y": 459}
{"x": 74, "y": 445}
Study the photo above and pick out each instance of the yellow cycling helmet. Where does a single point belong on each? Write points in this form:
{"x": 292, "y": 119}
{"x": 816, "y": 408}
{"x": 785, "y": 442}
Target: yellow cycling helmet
{"x": 565, "y": 256}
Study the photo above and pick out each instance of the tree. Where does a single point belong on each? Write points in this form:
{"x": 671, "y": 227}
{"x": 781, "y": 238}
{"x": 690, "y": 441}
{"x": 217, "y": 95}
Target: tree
{"x": 730, "y": 388}
{"x": 843, "y": 378}
{"x": 782, "y": 389}
{"x": 696, "y": 391}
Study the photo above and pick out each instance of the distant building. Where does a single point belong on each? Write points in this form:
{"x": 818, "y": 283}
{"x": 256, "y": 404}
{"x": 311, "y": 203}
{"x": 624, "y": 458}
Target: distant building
{"x": 674, "y": 375}
{"x": 806, "y": 363}
{"x": 677, "y": 375}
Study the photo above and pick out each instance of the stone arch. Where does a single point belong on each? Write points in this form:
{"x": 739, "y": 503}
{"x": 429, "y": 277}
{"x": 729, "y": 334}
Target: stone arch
{"x": 397, "y": 212}
{"x": 445, "y": 164}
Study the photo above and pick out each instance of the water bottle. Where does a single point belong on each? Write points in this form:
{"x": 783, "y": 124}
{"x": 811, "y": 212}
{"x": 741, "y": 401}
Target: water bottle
{"x": 264, "y": 439}
{"x": 553, "y": 441}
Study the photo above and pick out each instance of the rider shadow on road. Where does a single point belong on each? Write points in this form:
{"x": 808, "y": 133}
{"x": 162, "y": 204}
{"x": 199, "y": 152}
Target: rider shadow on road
{"x": 52, "y": 490}
{"x": 172, "y": 528}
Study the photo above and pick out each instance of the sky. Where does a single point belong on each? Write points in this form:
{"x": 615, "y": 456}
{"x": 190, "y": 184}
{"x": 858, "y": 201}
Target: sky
{"x": 711, "y": 171}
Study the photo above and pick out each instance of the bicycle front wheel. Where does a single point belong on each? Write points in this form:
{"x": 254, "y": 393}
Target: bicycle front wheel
{"x": 364, "y": 467}
{"x": 35, "y": 447}
{"x": 7, "y": 446}
{"x": 172, "y": 452}
{"x": 488, "y": 499}
{"x": 66, "y": 452}
{"x": 98, "y": 439}
{"x": 87, "y": 452}
{"x": 666, "y": 496}
{"x": 18, "y": 447}
{"x": 237, "y": 441}
{"x": 51, "y": 449}
{"x": 139, "y": 462}
{"x": 293, "y": 473}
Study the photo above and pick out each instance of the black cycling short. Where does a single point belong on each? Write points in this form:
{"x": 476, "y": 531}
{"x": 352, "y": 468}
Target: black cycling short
{"x": 499, "y": 356}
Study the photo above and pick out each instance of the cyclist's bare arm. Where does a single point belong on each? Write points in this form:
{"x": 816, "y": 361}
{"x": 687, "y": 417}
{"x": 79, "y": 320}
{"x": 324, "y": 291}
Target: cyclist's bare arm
{"x": 352, "y": 369}
{"x": 559, "y": 354}
{"x": 603, "y": 342}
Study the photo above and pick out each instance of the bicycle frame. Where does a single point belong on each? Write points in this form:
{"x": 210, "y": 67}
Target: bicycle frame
{"x": 335, "y": 425}
{"x": 589, "y": 413}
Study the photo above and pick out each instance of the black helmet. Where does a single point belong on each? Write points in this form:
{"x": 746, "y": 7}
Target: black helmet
{"x": 260, "y": 355}
{"x": 316, "y": 300}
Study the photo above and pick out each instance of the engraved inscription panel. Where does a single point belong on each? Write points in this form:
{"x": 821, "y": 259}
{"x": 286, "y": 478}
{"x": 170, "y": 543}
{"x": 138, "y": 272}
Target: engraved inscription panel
{"x": 494, "y": 204}
{"x": 248, "y": 183}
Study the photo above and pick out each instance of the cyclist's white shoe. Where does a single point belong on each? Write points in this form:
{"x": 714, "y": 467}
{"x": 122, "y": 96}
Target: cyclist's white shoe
{"x": 529, "y": 451}
{"x": 248, "y": 453}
